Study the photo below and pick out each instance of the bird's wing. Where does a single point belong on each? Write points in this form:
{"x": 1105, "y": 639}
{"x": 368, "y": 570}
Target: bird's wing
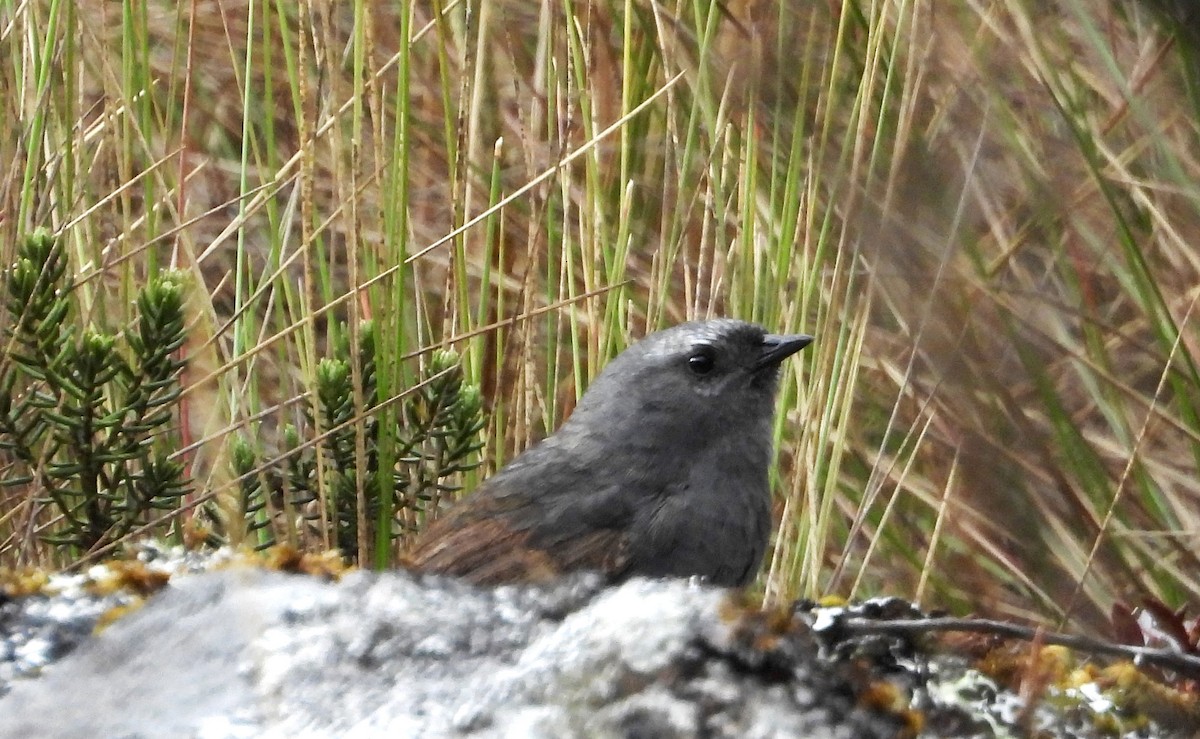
{"x": 590, "y": 534}
{"x": 482, "y": 551}
{"x": 492, "y": 537}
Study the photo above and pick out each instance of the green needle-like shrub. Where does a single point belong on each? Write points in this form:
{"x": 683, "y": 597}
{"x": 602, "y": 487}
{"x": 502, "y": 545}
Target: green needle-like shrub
{"x": 83, "y": 414}
{"x": 435, "y": 439}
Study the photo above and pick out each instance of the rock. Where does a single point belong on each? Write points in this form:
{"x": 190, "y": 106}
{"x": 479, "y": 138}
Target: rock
{"x": 250, "y": 652}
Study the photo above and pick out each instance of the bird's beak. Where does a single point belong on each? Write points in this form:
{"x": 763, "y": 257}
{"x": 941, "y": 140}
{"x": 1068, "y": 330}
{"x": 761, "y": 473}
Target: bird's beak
{"x": 778, "y": 347}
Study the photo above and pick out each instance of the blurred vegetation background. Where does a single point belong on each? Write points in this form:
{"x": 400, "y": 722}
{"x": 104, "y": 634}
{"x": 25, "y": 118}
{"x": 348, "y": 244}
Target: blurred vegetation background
{"x": 986, "y": 212}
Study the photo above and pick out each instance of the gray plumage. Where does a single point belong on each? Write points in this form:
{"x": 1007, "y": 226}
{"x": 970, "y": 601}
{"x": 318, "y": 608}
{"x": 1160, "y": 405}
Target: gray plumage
{"x": 660, "y": 471}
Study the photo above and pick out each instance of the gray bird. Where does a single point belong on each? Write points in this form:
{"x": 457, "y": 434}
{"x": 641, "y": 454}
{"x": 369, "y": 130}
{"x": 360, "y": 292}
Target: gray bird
{"x": 661, "y": 471}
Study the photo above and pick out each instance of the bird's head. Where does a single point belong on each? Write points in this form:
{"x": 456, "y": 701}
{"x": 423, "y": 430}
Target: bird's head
{"x": 692, "y": 382}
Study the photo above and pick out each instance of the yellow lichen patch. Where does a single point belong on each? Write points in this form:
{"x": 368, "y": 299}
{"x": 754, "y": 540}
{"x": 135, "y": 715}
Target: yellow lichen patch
{"x": 15, "y": 584}
{"x": 132, "y": 575}
{"x": 1131, "y": 688}
{"x": 1056, "y": 662}
{"x": 286, "y": 558}
{"x": 754, "y": 627}
{"x": 116, "y": 613}
{"x": 1082, "y": 675}
{"x": 1015, "y": 665}
{"x": 195, "y": 534}
{"x": 1110, "y": 724}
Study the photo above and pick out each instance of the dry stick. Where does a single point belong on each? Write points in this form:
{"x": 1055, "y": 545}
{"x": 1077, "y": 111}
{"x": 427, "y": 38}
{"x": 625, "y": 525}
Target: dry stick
{"x": 1185, "y": 664}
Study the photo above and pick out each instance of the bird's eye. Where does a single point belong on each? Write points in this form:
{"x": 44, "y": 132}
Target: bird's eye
{"x": 702, "y": 361}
